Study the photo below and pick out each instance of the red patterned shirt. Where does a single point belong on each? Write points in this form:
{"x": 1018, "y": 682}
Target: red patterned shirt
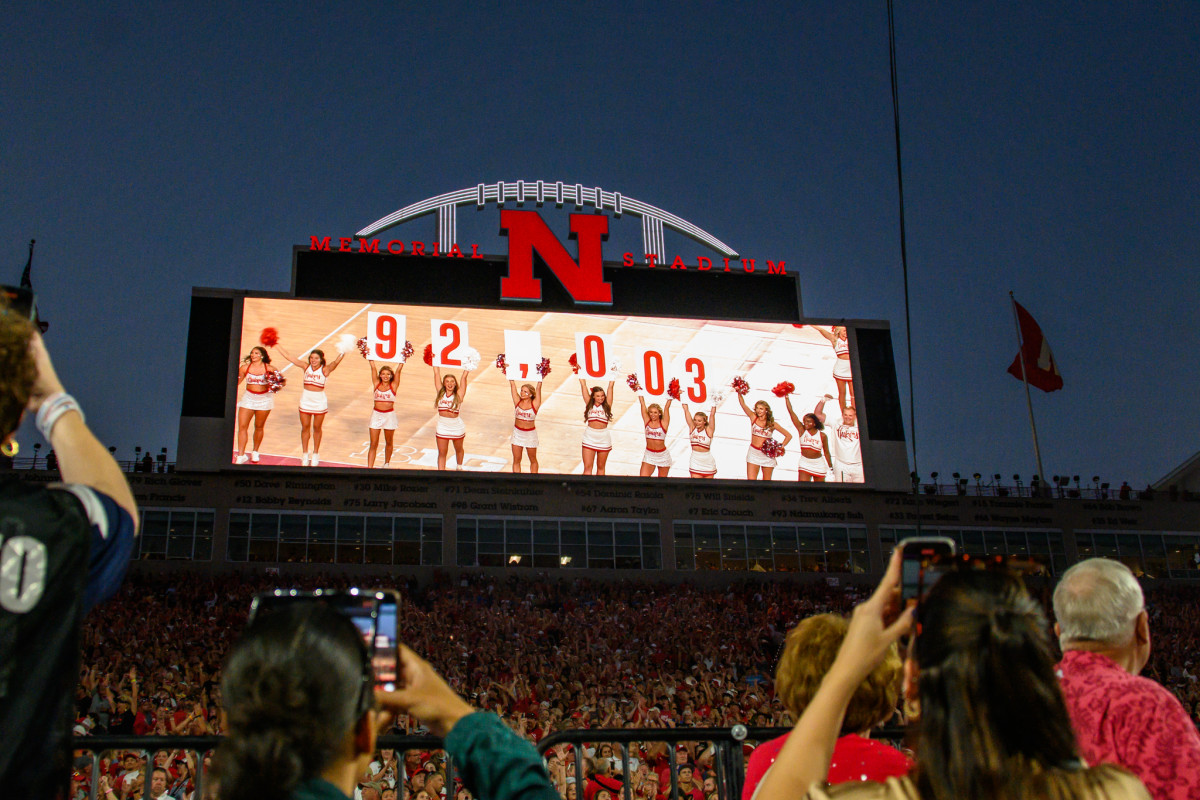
{"x": 1132, "y": 721}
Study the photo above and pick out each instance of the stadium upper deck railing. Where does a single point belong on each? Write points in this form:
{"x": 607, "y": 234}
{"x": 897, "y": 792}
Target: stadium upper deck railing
{"x": 977, "y": 485}
{"x": 728, "y": 757}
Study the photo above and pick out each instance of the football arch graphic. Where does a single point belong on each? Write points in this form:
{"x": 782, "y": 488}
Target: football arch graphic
{"x": 654, "y": 220}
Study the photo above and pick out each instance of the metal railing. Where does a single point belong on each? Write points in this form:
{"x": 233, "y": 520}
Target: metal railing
{"x": 728, "y": 759}
{"x": 199, "y": 746}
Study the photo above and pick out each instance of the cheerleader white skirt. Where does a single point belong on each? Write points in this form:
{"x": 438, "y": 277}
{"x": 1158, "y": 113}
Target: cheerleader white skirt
{"x": 659, "y": 458}
{"x": 451, "y": 428}
{"x": 384, "y": 420}
{"x": 814, "y": 466}
{"x": 313, "y": 402}
{"x": 759, "y": 458}
{"x": 257, "y": 402}
{"x": 521, "y": 438}
{"x": 597, "y": 438}
{"x": 702, "y": 463}
{"x": 841, "y": 369}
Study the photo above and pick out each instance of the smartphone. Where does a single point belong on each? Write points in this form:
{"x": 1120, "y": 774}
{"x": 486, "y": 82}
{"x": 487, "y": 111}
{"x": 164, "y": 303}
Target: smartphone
{"x": 375, "y": 613}
{"x": 922, "y": 561}
{"x": 386, "y": 659}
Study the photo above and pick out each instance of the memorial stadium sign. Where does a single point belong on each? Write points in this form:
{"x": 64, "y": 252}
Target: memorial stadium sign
{"x": 527, "y": 232}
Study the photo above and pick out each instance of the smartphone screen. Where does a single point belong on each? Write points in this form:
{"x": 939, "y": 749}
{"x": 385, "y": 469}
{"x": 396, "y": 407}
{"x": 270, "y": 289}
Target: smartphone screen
{"x": 922, "y": 561}
{"x": 373, "y": 613}
{"x": 386, "y": 656}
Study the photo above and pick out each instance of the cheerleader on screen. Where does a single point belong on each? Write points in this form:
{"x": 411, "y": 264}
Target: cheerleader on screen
{"x": 313, "y": 402}
{"x": 450, "y": 394}
{"x": 839, "y": 338}
{"x": 657, "y": 420}
{"x": 762, "y": 426}
{"x": 383, "y": 414}
{"x": 526, "y": 401}
{"x": 597, "y": 438}
{"x": 256, "y": 402}
{"x": 703, "y": 426}
{"x": 815, "y": 460}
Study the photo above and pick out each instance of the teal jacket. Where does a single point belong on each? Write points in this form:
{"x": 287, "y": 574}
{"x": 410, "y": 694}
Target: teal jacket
{"x": 494, "y": 762}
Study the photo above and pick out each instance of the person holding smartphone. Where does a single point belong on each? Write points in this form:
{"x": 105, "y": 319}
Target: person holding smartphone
{"x": 302, "y": 715}
{"x": 993, "y": 720}
{"x": 64, "y": 547}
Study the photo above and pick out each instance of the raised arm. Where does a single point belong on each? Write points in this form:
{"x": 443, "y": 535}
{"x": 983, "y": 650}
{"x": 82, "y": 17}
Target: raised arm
{"x": 804, "y": 759}
{"x": 332, "y": 365}
{"x": 828, "y": 334}
{"x": 583, "y": 387}
{"x": 512, "y": 389}
{"x": 712, "y": 421}
{"x": 537, "y": 396}
{"x": 81, "y": 457}
{"x": 462, "y": 386}
{"x": 287, "y": 357}
{"x": 437, "y": 378}
{"x": 745, "y": 408}
{"x": 666, "y": 419}
{"x": 645, "y": 413}
{"x": 787, "y": 400}
{"x": 819, "y": 411}
{"x": 374, "y": 374}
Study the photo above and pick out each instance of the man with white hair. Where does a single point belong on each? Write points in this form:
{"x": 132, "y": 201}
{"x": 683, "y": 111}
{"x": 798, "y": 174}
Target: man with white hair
{"x": 1119, "y": 717}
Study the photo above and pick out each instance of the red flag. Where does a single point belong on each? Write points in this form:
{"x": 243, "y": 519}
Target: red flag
{"x": 1040, "y": 369}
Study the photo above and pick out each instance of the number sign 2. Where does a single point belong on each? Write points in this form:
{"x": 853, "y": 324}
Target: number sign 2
{"x": 449, "y": 341}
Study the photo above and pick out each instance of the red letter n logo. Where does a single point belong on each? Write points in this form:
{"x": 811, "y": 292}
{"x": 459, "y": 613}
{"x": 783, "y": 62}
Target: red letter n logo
{"x": 527, "y": 231}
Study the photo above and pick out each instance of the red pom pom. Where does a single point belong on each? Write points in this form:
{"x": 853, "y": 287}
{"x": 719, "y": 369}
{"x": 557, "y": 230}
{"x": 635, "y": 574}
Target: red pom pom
{"x": 362, "y": 347}
{"x": 501, "y": 364}
{"x": 673, "y": 391}
{"x": 632, "y": 380}
{"x": 275, "y": 380}
{"x": 543, "y": 367}
{"x": 428, "y": 356}
{"x": 408, "y": 349}
{"x": 269, "y": 337}
{"x": 772, "y": 448}
{"x": 740, "y": 386}
{"x": 784, "y": 389}
{"x": 574, "y": 362}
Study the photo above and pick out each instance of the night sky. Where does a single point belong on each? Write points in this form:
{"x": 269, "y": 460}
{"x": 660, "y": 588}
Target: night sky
{"x": 154, "y": 147}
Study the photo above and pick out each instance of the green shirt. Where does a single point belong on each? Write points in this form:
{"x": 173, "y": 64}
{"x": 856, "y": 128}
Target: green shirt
{"x": 495, "y": 763}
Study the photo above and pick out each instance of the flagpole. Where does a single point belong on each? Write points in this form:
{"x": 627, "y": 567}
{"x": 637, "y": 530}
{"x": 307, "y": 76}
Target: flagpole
{"x": 1037, "y": 452}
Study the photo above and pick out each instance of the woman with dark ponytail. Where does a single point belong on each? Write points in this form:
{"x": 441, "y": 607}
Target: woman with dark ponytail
{"x": 302, "y": 714}
{"x": 993, "y": 722}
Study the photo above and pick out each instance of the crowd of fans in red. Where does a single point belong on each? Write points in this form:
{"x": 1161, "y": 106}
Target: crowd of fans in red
{"x": 546, "y": 655}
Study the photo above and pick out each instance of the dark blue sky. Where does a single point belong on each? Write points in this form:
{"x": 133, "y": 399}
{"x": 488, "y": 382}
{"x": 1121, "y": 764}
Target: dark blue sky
{"x": 153, "y": 147}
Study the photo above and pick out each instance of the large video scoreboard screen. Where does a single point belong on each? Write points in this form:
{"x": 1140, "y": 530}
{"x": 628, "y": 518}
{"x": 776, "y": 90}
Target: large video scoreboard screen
{"x": 702, "y": 356}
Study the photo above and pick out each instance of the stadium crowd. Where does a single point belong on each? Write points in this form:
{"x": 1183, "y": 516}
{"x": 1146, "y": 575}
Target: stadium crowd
{"x": 546, "y": 655}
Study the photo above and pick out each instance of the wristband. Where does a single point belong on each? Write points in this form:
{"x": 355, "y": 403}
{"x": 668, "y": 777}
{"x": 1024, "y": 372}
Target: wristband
{"x": 52, "y": 410}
